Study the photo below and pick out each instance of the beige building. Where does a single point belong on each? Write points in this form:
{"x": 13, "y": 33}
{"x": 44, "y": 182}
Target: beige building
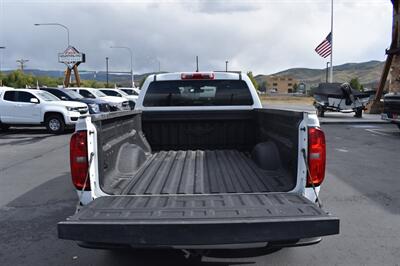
{"x": 281, "y": 84}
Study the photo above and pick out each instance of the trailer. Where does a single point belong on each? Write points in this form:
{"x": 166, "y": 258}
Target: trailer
{"x": 339, "y": 97}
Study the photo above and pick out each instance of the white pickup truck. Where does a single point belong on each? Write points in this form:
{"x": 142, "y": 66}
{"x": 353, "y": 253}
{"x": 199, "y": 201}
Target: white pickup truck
{"x": 22, "y": 107}
{"x": 200, "y": 165}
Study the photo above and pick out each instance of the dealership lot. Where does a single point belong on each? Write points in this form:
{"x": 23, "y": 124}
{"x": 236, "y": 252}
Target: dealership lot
{"x": 362, "y": 188}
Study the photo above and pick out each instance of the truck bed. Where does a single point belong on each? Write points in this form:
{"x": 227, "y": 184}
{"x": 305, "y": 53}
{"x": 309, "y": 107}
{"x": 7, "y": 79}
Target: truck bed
{"x": 204, "y": 172}
{"x": 168, "y": 153}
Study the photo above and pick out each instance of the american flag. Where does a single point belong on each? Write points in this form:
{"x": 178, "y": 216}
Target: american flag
{"x": 325, "y": 47}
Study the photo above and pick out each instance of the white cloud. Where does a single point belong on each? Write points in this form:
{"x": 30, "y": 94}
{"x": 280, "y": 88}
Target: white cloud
{"x": 263, "y": 36}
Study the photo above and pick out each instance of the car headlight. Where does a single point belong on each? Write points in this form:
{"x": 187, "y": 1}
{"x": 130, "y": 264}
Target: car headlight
{"x": 70, "y": 109}
{"x": 95, "y": 108}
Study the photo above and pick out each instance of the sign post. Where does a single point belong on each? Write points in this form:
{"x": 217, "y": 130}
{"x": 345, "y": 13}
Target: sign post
{"x": 72, "y": 58}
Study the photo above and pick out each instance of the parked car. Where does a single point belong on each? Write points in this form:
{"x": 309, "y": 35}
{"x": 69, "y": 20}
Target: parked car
{"x": 338, "y": 97}
{"x": 391, "y": 108}
{"x": 199, "y": 165}
{"x": 131, "y": 91}
{"x": 95, "y": 105}
{"x": 116, "y": 103}
{"x": 119, "y": 93}
{"x": 22, "y": 107}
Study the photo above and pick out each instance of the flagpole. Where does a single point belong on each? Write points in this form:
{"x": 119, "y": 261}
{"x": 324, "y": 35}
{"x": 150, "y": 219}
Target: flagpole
{"x": 331, "y": 69}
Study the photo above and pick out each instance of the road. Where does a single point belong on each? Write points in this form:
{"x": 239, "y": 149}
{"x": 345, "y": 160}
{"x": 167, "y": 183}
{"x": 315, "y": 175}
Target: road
{"x": 362, "y": 188}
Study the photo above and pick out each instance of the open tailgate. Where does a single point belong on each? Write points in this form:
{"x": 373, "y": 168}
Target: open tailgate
{"x": 178, "y": 220}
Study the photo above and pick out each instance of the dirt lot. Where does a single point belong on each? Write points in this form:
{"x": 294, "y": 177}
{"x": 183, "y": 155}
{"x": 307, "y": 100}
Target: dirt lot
{"x": 265, "y": 99}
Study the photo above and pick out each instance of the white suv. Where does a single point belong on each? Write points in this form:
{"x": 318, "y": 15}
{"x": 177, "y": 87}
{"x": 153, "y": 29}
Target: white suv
{"x": 117, "y": 103}
{"x": 120, "y": 93}
{"x": 35, "y": 107}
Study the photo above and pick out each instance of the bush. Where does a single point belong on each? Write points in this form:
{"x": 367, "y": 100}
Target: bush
{"x": 18, "y": 79}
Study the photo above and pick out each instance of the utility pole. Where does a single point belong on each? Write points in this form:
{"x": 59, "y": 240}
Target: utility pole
{"x": 331, "y": 69}
{"x": 1, "y": 57}
{"x": 226, "y": 65}
{"x": 22, "y": 62}
{"x": 327, "y": 72}
{"x": 197, "y": 63}
{"x": 131, "y": 54}
{"x": 56, "y": 24}
{"x": 70, "y": 68}
{"x": 107, "y": 70}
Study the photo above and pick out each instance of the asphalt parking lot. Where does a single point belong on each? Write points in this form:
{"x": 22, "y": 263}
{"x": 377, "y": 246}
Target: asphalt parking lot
{"x": 362, "y": 188}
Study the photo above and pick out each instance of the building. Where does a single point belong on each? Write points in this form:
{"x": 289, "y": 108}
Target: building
{"x": 281, "y": 84}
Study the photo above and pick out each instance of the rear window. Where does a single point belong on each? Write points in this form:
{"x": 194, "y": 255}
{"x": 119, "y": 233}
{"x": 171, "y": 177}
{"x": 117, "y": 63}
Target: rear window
{"x": 198, "y": 93}
{"x": 111, "y": 93}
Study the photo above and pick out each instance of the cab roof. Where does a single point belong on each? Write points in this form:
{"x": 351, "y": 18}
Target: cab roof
{"x": 215, "y": 75}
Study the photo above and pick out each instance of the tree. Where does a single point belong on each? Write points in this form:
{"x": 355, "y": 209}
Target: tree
{"x": 355, "y": 84}
{"x": 264, "y": 86}
{"x": 142, "y": 81}
{"x": 18, "y": 79}
{"x": 295, "y": 87}
{"x": 253, "y": 80}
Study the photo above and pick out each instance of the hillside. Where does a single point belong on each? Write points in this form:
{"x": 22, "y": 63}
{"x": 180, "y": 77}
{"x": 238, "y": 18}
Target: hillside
{"x": 367, "y": 72}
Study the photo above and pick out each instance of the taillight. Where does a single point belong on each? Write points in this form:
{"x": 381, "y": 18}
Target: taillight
{"x": 316, "y": 156}
{"x": 79, "y": 160}
{"x": 197, "y": 75}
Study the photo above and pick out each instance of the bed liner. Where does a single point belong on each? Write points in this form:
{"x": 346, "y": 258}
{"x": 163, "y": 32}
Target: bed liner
{"x": 204, "y": 172}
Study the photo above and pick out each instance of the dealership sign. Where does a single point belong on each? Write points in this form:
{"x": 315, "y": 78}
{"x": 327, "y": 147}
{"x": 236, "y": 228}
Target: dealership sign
{"x": 71, "y": 57}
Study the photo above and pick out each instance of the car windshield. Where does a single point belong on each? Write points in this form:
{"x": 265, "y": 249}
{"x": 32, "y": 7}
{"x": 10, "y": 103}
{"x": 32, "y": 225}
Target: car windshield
{"x": 123, "y": 93}
{"x": 73, "y": 94}
{"x": 98, "y": 93}
{"x": 127, "y": 91}
{"x": 46, "y": 96}
{"x": 198, "y": 93}
{"x": 130, "y": 92}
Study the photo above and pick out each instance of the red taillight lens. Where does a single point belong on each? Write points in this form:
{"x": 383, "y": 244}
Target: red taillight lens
{"x": 316, "y": 156}
{"x": 79, "y": 160}
{"x": 197, "y": 75}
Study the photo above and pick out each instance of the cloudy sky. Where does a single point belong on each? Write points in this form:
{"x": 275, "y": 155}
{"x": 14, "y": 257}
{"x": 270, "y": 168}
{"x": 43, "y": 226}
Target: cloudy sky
{"x": 264, "y": 36}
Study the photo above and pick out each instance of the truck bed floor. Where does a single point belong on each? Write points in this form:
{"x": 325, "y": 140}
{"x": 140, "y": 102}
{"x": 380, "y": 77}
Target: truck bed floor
{"x": 204, "y": 172}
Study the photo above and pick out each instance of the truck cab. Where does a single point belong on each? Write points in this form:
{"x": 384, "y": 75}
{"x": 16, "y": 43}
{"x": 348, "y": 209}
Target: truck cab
{"x": 391, "y": 108}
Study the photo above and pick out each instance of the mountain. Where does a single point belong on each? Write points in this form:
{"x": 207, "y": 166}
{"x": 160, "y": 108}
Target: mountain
{"x": 368, "y": 73}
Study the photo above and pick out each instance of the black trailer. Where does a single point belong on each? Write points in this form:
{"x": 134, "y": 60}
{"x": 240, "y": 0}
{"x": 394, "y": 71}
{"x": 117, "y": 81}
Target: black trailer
{"x": 339, "y": 97}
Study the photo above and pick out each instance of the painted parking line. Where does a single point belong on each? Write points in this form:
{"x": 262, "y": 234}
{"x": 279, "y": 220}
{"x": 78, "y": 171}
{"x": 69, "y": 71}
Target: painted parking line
{"x": 382, "y": 132}
{"x": 365, "y": 126}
